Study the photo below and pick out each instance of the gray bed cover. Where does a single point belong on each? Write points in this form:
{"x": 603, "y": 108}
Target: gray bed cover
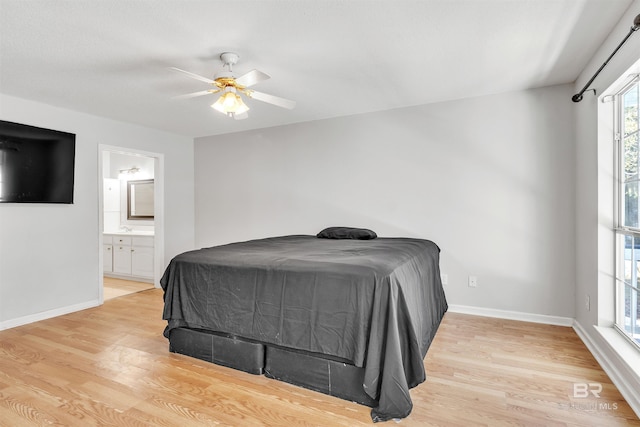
{"x": 376, "y": 303}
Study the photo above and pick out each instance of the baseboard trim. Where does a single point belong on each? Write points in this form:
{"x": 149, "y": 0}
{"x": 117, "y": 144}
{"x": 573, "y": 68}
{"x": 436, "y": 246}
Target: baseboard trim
{"x": 24, "y": 320}
{"x": 622, "y": 375}
{"x": 512, "y": 315}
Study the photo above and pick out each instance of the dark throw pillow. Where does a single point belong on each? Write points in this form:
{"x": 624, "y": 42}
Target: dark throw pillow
{"x": 347, "y": 233}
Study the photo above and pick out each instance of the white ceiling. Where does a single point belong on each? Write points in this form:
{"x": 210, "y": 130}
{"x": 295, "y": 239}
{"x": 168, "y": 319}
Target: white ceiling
{"x": 334, "y": 57}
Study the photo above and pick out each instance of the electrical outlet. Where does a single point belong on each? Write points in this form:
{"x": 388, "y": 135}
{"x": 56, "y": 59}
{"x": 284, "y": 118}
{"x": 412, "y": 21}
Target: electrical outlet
{"x": 473, "y": 281}
{"x": 444, "y": 278}
{"x": 587, "y": 303}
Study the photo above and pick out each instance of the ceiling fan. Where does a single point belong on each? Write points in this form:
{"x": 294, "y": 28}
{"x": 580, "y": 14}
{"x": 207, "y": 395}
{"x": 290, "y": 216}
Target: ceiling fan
{"x": 230, "y": 102}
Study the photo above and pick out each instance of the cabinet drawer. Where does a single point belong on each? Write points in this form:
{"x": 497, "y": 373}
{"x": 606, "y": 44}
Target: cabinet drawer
{"x": 122, "y": 240}
{"x": 107, "y": 239}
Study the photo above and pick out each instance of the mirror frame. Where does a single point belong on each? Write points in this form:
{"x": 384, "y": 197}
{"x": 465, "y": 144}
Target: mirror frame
{"x": 129, "y": 185}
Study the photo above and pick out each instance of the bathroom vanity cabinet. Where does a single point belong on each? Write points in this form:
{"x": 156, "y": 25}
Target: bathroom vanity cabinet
{"x": 128, "y": 256}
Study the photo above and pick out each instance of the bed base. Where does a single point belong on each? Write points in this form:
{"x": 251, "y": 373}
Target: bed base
{"x": 315, "y": 372}
{"x": 324, "y": 374}
{"x": 221, "y": 349}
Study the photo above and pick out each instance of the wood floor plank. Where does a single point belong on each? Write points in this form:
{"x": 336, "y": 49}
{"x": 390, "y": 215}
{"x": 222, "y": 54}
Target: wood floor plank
{"x": 114, "y": 287}
{"x": 110, "y": 365}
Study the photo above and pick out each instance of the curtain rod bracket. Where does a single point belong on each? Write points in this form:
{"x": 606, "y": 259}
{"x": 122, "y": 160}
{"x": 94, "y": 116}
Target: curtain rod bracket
{"x": 636, "y": 26}
{"x": 578, "y": 97}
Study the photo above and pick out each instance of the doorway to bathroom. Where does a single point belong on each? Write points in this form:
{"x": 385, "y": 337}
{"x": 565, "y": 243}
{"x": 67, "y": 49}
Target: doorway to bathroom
{"x": 131, "y": 217}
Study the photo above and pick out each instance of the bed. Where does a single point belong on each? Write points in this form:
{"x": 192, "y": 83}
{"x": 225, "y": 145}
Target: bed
{"x": 350, "y": 317}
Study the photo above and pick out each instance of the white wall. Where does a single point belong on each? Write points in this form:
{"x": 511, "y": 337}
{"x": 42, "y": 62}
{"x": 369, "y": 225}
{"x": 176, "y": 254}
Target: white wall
{"x": 489, "y": 179}
{"x": 118, "y": 161}
{"x": 49, "y": 254}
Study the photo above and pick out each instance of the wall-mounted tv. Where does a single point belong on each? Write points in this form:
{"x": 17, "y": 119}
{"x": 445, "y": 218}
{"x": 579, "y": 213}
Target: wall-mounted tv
{"x": 36, "y": 164}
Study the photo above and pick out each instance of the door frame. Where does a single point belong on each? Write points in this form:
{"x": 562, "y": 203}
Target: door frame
{"x": 158, "y": 241}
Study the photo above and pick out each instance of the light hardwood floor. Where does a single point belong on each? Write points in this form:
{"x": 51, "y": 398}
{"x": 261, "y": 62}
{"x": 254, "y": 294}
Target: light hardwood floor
{"x": 111, "y": 366}
{"x": 114, "y": 288}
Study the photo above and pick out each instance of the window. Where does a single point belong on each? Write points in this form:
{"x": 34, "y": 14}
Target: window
{"x": 627, "y": 132}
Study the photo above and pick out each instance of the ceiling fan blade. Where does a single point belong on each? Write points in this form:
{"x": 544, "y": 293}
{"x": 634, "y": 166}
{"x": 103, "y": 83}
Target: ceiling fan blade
{"x": 193, "y": 76}
{"x": 251, "y": 78}
{"x": 194, "y": 94}
{"x": 271, "y": 99}
{"x": 240, "y": 116}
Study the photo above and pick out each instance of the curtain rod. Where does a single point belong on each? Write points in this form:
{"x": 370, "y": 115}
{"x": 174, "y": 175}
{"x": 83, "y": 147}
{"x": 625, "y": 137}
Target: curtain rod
{"x": 636, "y": 26}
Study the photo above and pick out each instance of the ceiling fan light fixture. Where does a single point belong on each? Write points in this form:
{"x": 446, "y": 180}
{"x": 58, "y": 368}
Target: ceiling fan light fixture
{"x": 241, "y": 107}
{"x": 230, "y": 102}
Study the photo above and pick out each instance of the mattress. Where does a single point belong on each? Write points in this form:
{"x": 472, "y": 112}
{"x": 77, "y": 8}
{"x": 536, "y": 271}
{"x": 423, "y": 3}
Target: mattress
{"x": 374, "y": 303}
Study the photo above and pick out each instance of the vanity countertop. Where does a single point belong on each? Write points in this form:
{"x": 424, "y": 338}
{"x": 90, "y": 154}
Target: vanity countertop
{"x": 130, "y": 233}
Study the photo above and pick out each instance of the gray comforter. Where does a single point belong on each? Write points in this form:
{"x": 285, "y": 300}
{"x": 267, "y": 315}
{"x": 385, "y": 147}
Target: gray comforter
{"x": 376, "y": 303}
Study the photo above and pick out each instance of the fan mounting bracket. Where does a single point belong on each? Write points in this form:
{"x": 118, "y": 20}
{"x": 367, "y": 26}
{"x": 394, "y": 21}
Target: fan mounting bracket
{"x": 229, "y": 58}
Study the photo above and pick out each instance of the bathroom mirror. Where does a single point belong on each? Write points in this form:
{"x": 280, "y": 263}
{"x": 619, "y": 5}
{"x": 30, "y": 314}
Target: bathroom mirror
{"x": 140, "y": 199}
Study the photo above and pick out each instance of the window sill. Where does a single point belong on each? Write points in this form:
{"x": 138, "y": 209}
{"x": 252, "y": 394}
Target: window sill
{"x": 622, "y": 347}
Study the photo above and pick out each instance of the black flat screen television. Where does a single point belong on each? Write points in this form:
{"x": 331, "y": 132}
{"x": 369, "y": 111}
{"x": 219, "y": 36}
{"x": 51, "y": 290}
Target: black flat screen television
{"x": 36, "y": 164}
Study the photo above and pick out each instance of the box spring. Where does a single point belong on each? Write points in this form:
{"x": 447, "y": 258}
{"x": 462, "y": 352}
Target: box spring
{"x": 221, "y": 349}
{"x": 331, "y": 376}
{"x": 319, "y": 373}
